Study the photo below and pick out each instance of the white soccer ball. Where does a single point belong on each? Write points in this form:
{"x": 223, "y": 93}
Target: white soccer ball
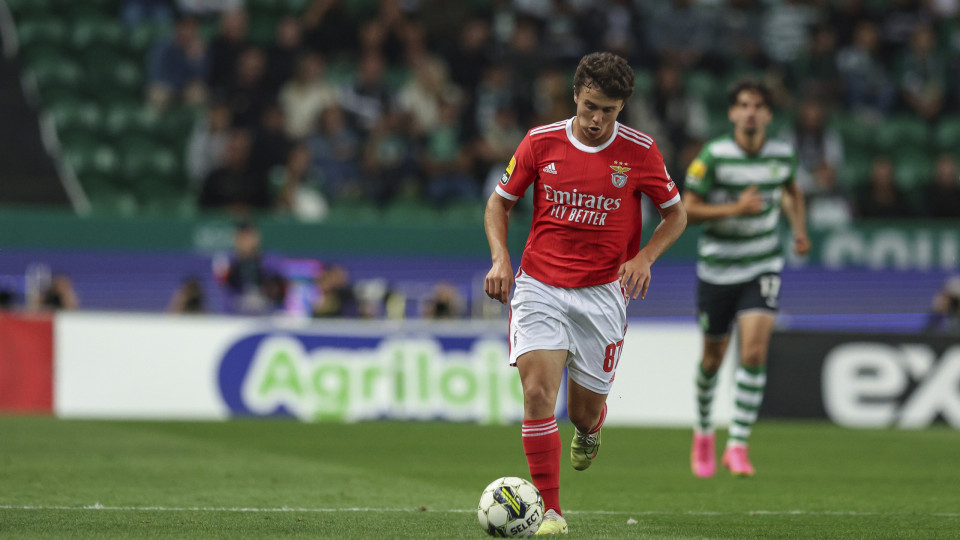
{"x": 510, "y": 507}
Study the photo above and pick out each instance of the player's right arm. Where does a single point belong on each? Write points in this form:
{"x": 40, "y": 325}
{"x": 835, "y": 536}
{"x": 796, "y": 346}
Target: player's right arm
{"x": 496, "y": 219}
{"x": 698, "y": 184}
{"x": 519, "y": 174}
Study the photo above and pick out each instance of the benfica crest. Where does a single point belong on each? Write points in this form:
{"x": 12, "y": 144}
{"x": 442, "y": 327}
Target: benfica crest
{"x": 619, "y": 177}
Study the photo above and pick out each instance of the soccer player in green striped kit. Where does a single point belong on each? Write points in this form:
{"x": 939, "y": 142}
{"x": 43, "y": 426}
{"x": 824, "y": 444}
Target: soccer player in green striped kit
{"x": 737, "y": 187}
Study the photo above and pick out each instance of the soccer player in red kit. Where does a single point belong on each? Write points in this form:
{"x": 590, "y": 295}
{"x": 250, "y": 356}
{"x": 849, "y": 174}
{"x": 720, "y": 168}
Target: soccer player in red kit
{"x": 581, "y": 265}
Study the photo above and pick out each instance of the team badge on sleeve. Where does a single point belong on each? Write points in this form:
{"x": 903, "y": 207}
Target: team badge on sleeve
{"x": 506, "y": 174}
{"x": 697, "y": 169}
{"x": 619, "y": 177}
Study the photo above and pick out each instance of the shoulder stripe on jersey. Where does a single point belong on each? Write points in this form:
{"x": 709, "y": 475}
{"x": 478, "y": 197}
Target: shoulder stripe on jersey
{"x": 503, "y": 193}
{"x": 547, "y": 129}
{"x": 671, "y": 202}
{"x": 640, "y": 142}
{"x": 638, "y": 134}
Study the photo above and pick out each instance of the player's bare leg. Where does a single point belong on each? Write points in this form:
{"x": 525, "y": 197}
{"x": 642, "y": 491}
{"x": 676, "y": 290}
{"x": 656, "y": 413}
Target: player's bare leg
{"x": 541, "y": 373}
{"x": 703, "y": 456}
{"x": 587, "y": 410}
{"x": 755, "y": 330}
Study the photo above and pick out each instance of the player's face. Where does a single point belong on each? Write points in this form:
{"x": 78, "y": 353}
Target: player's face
{"x": 596, "y": 114}
{"x": 750, "y": 115}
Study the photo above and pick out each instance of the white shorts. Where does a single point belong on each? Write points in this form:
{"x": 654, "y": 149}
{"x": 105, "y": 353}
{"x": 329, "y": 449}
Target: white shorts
{"x": 588, "y": 322}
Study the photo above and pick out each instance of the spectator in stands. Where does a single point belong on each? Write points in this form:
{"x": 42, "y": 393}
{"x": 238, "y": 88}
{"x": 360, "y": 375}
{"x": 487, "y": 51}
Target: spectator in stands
{"x": 388, "y": 158}
{"x": 207, "y": 145}
{"x": 337, "y": 298}
{"x": 674, "y": 116}
{"x": 306, "y": 95}
{"x": 445, "y": 302}
{"x": 817, "y": 143}
{"x": 336, "y": 152}
{"x": 680, "y": 32}
{"x": 208, "y": 9}
{"x": 177, "y": 67}
{"x": 57, "y": 294}
{"x": 867, "y": 86}
{"x": 252, "y": 281}
{"x": 845, "y": 15}
{"x": 493, "y": 94}
{"x": 741, "y": 22}
{"x": 283, "y": 53}
{"x": 225, "y": 50}
{"x": 815, "y": 74}
{"x": 298, "y": 188}
{"x": 828, "y": 206}
{"x": 786, "y": 29}
{"x": 421, "y": 97}
{"x": 271, "y": 146}
{"x": 234, "y": 186}
{"x": 249, "y": 93}
{"x": 138, "y": 12}
{"x": 551, "y": 98}
{"x": 469, "y": 60}
{"x": 882, "y": 197}
{"x": 369, "y": 96}
{"x": 495, "y": 146}
{"x": 922, "y": 74}
{"x": 328, "y": 28}
{"x": 188, "y": 298}
{"x": 898, "y": 23}
{"x": 945, "y": 311}
{"x": 446, "y": 161}
{"x": 942, "y": 196}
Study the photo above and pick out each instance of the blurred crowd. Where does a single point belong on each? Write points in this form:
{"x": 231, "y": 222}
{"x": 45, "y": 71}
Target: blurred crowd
{"x": 427, "y": 99}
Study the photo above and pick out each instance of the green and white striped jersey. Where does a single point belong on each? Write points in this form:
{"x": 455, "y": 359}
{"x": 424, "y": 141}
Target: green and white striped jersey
{"x": 738, "y": 249}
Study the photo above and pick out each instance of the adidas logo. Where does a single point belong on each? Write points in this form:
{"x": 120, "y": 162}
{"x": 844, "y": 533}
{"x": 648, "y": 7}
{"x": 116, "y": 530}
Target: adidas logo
{"x": 551, "y": 168}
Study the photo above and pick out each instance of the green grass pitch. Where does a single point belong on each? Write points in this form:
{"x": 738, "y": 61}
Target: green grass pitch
{"x": 279, "y": 479}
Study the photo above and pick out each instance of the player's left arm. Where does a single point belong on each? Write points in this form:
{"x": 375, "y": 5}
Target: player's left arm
{"x": 635, "y": 273}
{"x": 795, "y": 209}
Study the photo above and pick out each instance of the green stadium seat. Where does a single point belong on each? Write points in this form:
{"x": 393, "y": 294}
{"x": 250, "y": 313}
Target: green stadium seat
{"x": 27, "y": 9}
{"x": 855, "y": 171}
{"x": 56, "y": 79}
{"x": 947, "y": 134}
{"x": 705, "y": 86}
{"x": 124, "y": 120}
{"x": 263, "y": 29}
{"x": 175, "y": 124}
{"x": 116, "y": 203}
{"x": 913, "y": 170}
{"x": 297, "y": 7}
{"x": 88, "y": 158}
{"x": 75, "y": 120}
{"x": 42, "y": 30}
{"x": 141, "y": 39}
{"x": 643, "y": 84}
{"x": 857, "y": 135}
{"x": 94, "y": 31}
{"x": 898, "y": 132}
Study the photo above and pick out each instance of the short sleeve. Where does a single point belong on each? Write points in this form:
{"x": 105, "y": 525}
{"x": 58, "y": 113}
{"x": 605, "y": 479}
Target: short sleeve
{"x": 656, "y": 182}
{"x": 520, "y": 172}
{"x": 700, "y": 173}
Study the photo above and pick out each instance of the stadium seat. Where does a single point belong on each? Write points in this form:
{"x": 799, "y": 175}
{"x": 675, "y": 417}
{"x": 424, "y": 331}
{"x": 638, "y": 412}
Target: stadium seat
{"x": 141, "y": 39}
{"x": 644, "y": 82}
{"x": 913, "y": 170}
{"x": 855, "y": 171}
{"x": 124, "y": 120}
{"x": 702, "y": 84}
{"x": 25, "y": 9}
{"x": 947, "y": 135}
{"x": 175, "y": 124}
{"x": 57, "y": 79}
{"x": 75, "y": 120}
{"x": 902, "y": 131}
{"x": 91, "y": 31}
{"x": 42, "y": 30}
{"x": 857, "y": 135}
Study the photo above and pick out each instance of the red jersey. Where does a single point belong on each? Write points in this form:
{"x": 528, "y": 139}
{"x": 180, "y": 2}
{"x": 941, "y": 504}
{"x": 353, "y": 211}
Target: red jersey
{"x": 586, "y": 207}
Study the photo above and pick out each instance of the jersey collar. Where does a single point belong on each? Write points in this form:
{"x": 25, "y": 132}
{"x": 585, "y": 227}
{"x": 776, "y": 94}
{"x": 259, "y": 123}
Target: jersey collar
{"x": 591, "y": 149}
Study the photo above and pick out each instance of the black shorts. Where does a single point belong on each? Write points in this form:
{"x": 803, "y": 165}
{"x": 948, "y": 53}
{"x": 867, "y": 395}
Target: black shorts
{"x": 718, "y": 305}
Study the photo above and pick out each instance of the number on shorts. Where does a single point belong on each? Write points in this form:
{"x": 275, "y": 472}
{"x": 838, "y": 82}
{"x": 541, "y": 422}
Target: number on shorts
{"x": 612, "y": 356}
{"x": 770, "y": 289}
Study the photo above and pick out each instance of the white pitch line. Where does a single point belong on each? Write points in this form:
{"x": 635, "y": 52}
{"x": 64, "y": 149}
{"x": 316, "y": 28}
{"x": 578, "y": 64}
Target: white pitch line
{"x": 288, "y": 509}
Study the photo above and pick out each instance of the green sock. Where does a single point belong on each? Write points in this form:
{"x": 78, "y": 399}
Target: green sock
{"x": 706, "y": 384}
{"x": 747, "y": 398}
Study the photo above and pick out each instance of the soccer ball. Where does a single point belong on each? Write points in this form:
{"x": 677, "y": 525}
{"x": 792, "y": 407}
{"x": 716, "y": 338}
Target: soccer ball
{"x": 510, "y": 507}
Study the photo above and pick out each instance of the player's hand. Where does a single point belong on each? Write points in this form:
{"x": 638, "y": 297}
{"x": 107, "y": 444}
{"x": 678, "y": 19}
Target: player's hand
{"x": 499, "y": 281}
{"x": 801, "y": 243}
{"x": 635, "y": 277}
{"x": 750, "y": 202}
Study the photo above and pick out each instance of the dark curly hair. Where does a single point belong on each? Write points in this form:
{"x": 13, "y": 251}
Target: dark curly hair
{"x": 611, "y": 73}
{"x": 750, "y": 85}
